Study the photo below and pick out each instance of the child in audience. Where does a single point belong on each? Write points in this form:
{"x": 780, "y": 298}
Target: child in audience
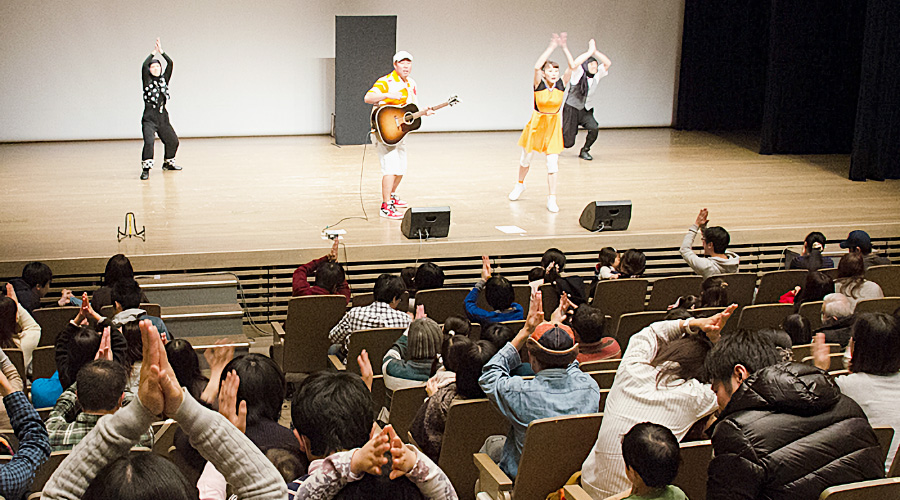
{"x": 330, "y": 278}
{"x": 443, "y": 368}
{"x": 554, "y": 263}
{"x": 714, "y": 293}
{"x": 409, "y": 361}
{"x": 499, "y": 294}
{"x": 798, "y": 328}
{"x": 651, "y": 455}
{"x": 499, "y": 335}
{"x": 608, "y": 267}
{"x": 632, "y": 264}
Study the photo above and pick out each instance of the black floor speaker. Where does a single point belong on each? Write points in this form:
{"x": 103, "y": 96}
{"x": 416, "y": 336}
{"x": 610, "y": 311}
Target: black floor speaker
{"x": 426, "y": 222}
{"x": 606, "y": 215}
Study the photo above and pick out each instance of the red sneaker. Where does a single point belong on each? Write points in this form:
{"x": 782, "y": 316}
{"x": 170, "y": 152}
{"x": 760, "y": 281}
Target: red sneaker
{"x": 397, "y": 202}
{"x": 389, "y": 212}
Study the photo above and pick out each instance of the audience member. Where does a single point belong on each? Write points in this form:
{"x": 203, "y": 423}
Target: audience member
{"x": 262, "y": 388}
{"x": 186, "y": 365}
{"x": 719, "y": 260}
{"x": 536, "y": 278}
{"x": 429, "y": 276}
{"x": 798, "y": 328}
{"x": 409, "y": 361}
{"x": 15, "y": 382}
{"x": 332, "y": 416}
{"x": 469, "y": 357}
{"x": 632, "y": 264}
{"x": 558, "y": 388}
{"x": 330, "y": 278}
{"x": 103, "y": 468}
{"x": 18, "y": 329}
{"x": 874, "y": 379}
{"x": 685, "y": 303}
{"x": 33, "y": 285}
{"x": 99, "y": 391}
{"x": 443, "y": 368}
{"x": 78, "y": 344}
{"x": 714, "y": 293}
{"x": 816, "y": 287}
{"x": 499, "y": 335}
{"x": 554, "y": 263}
{"x": 651, "y": 455}
{"x": 588, "y": 325}
{"x": 785, "y": 417}
{"x": 859, "y": 242}
{"x": 851, "y": 280}
{"x": 498, "y": 292}
{"x": 457, "y": 325}
{"x": 811, "y": 257}
{"x": 118, "y": 268}
{"x": 659, "y": 380}
{"x": 382, "y": 313}
{"x": 126, "y": 296}
{"x": 837, "y": 319}
{"x": 17, "y": 474}
{"x": 607, "y": 267}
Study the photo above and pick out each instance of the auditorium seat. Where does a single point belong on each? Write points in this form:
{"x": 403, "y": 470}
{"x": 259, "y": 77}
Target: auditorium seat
{"x": 301, "y": 344}
{"x": 603, "y": 364}
{"x": 441, "y": 303}
{"x": 631, "y": 323}
{"x": 667, "y": 290}
{"x": 376, "y": 342}
{"x": 622, "y": 296}
{"x": 741, "y": 287}
{"x": 887, "y": 305}
{"x": 887, "y": 277}
{"x": 774, "y": 284}
{"x": 405, "y": 404}
{"x": 812, "y": 311}
{"x": 692, "y": 473}
{"x": 876, "y": 489}
{"x": 764, "y": 316}
{"x": 43, "y": 362}
{"x": 53, "y": 320}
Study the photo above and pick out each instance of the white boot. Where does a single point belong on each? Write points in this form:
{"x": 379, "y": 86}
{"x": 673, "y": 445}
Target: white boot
{"x": 517, "y": 191}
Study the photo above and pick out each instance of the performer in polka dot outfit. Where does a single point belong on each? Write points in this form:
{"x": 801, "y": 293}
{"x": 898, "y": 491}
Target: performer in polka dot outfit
{"x": 156, "y": 118}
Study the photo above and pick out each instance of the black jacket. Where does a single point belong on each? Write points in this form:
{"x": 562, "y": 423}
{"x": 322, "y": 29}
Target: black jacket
{"x": 789, "y": 433}
{"x": 839, "y": 332}
{"x": 25, "y": 294}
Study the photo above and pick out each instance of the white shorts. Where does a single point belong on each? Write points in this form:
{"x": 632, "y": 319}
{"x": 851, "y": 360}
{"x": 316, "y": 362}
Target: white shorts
{"x": 393, "y": 158}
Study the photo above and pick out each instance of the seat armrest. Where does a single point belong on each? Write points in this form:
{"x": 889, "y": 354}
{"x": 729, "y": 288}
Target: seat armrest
{"x": 492, "y": 480}
{"x": 576, "y": 492}
{"x": 277, "y": 332}
{"x": 336, "y": 363}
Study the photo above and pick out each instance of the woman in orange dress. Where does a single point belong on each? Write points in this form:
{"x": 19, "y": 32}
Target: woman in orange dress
{"x": 544, "y": 132}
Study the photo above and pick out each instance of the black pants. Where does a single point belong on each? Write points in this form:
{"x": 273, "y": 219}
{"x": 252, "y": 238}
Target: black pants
{"x": 572, "y": 118}
{"x": 159, "y": 125}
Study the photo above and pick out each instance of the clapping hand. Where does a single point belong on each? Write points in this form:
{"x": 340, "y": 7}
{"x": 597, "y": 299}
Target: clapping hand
{"x": 554, "y": 40}
{"x": 370, "y": 458}
{"x": 158, "y": 391}
{"x": 702, "y": 218}
{"x": 105, "y": 351}
{"x": 562, "y": 312}
{"x": 228, "y": 405}
{"x": 365, "y": 369}
{"x": 592, "y": 46}
{"x": 333, "y": 255}
{"x": 158, "y": 47}
{"x": 485, "y": 267}
{"x": 563, "y": 38}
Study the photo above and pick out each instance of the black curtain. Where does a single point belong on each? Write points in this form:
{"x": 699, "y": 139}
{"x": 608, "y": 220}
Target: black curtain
{"x": 814, "y": 56}
{"x": 876, "y": 141}
{"x": 723, "y": 65}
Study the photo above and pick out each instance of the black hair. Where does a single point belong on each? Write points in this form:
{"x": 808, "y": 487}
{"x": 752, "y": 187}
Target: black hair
{"x": 388, "y": 287}
{"x": 330, "y": 276}
{"x": 589, "y": 324}
{"x": 186, "y": 365}
{"x": 687, "y": 302}
{"x": 816, "y": 287}
{"x": 127, "y": 293}
{"x": 798, "y": 328}
{"x": 652, "y": 451}
{"x": 262, "y": 386}
{"x": 8, "y": 310}
{"x": 555, "y": 256}
{"x": 536, "y": 273}
{"x": 714, "y": 293}
{"x": 851, "y": 273}
{"x": 718, "y": 236}
{"x": 100, "y": 385}
{"x": 498, "y": 292}
{"x": 134, "y": 345}
{"x": 429, "y": 276}
{"x": 470, "y": 364}
{"x": 380, "y": 487}
{"x": 682, "y": 359}
{"x": 141, "y": 476}
{"x": 408, "y": 275}
{"x": 814, "y": 244}
{"x": 741, "y": 347}
{"x": 498, "y": 334}
{"x": 451, "y": 349}
{"x": 678, "y": 313}
{"x": 632, "y": 263}
{"x": 83, "y": 346}
{"x": 608, "y": 256}
{"x": 118, "y": 267}
{"x": 457, "y": 324}
{"x": 37, "y": 274}
{"x": 287, "y": 463}
{"x": 334, "y": 410}
{"x": 876, "y": 344}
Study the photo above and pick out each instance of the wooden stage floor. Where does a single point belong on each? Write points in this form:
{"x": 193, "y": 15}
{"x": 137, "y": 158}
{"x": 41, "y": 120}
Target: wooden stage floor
{"x": 268, "y": 199}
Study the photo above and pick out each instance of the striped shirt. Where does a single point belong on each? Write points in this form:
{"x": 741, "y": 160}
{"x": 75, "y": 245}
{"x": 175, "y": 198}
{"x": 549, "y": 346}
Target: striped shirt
{"x": 393, "y": 83}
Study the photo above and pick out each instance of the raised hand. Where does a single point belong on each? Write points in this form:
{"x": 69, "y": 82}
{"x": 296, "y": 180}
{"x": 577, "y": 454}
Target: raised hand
{"x": 159, "y": 46}
{"x": 713, "y": 326}
{"x": 404, "y": 459}
{"x": 219, "y": 356}
{"x": 485, "y": 267}
{"x": 535, "y": 312}
{"x": 365, "y": 369}
{"x": 561, "y": 312}
{"x": 159, "y": 390}
{"x": 702, "y": 218}
{"x": 563, "y": 38}
{"x": 105, "y": 351}
{"x": 228, "y": 406}
{"x": 554, "y": 40}
{"x": 370, "y": 458}
{"x": 821, "y": 352}
{"x": 64, "y": 298}
{"x": 420, "y": 312}
{"x": 84, "y": 311}
{"x": 592, "y": 46}
{"x": 333, "y": 255}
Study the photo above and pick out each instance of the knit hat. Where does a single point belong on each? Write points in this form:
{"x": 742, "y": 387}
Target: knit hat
{"x": 425, "y": 338}
{"x": 553, "y": 344}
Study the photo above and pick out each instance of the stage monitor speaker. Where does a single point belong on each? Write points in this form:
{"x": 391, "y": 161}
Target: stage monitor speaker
{"x": 426, "y": 222}
{"x": 606, "y": 215}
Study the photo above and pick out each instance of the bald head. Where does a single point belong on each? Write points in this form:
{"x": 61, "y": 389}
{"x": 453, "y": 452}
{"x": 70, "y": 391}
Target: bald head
{"x": 835, "y": 306}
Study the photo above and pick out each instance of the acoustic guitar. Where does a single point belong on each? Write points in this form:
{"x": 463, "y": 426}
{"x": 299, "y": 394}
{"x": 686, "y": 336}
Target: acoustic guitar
{"x": 392, "y": 123}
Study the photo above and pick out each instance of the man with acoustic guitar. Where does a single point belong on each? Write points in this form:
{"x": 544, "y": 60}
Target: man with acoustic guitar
{"x": 396, "y": 88}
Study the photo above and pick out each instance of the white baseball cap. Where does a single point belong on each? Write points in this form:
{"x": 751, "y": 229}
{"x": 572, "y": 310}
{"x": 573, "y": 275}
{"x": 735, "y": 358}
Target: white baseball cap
{"x": 399, "y": 56}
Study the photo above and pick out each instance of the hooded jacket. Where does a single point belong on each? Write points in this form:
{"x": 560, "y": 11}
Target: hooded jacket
{"x": 788, "y": 432}
{"x": 707, "y": 266}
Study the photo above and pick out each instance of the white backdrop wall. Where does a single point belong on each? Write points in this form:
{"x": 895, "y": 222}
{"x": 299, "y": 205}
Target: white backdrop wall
{"x": 71, "y": 70}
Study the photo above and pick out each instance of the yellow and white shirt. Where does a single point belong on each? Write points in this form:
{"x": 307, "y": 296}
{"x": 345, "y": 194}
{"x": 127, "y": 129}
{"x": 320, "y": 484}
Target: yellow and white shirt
{"x": 393, "y": 83}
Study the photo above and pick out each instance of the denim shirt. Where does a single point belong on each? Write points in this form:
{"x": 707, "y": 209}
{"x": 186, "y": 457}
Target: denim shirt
{"x": 552, "y": 392}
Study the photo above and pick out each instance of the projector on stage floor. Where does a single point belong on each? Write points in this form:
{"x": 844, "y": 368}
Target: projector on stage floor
{"x": 426, "y": 222}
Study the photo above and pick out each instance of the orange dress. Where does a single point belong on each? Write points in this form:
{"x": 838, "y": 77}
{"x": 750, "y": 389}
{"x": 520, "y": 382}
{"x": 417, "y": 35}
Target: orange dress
{"x": 544, "y": 131}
